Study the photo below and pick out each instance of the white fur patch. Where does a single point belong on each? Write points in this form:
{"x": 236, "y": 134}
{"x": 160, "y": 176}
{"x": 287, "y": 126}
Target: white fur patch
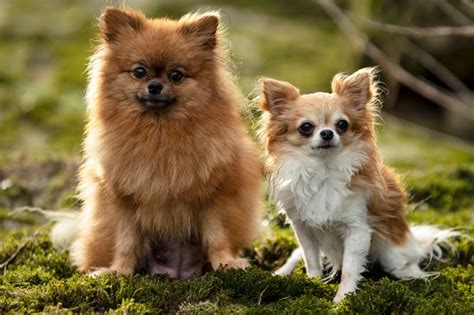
{"x": 314, "y": 189}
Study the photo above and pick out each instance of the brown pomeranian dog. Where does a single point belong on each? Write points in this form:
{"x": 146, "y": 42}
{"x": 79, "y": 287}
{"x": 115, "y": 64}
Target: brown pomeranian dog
{"x": 170, "y": 181}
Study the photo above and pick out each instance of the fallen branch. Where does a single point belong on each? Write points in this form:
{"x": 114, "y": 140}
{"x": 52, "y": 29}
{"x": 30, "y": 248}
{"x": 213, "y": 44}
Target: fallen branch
{"x": 260, "y": 296}
{"x": 362, "y": 43}
{"x": 453, "y": 12}
{"x": 469, "y": 4}
{"x": 438, "y": 69}
{"x": 467, "y": 30}
{"x": 18, "y": 250}
{"x": 50, "y": 214}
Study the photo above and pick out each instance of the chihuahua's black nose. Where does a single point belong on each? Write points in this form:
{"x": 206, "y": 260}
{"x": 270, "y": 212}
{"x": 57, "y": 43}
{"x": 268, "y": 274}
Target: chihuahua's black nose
{"x": 154, "y": 87}
{"x": 326, "y": 134}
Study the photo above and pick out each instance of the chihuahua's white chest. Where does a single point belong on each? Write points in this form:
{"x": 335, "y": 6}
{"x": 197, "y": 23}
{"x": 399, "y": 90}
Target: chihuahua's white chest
{"x": 315, "y": 190}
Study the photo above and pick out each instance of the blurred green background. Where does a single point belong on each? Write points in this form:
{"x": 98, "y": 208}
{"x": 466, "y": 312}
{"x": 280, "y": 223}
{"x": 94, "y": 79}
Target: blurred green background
{"x": 44, "y": 46}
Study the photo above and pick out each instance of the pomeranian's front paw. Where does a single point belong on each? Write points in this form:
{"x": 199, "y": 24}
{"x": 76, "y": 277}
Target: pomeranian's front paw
{"x": 99, "y": 272}
{"x": 227, "y": 261}
{"x": 237, "y": 263}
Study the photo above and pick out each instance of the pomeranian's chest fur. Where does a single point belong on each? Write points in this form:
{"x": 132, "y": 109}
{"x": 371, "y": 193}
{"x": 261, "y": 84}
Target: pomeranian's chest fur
{"x": 156, "y": 163}
{"x": 316, "y": 190}
{"x": 169, "y": 170}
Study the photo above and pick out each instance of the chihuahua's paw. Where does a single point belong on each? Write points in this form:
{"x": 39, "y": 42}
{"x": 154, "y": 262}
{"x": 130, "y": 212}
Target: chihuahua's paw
{"x": 315, "y": 274}
{"x": 342, "y": 293}
{"x": 338, "y": 298}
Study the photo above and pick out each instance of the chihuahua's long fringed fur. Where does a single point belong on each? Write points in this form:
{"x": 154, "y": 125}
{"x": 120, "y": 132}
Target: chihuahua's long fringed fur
{"x": 327, "y": 175}
{"x": 170, "y": 182}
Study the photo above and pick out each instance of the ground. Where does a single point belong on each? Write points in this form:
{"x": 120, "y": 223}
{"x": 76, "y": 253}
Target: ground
{"x": 439, "y": 175}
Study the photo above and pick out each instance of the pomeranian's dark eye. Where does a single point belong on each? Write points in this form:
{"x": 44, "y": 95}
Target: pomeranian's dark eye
{"x": 139, "y": 73}
{"x": 176, "y": 76}
{"x": 342, "y": 125}
{"x": 306, "y": 129}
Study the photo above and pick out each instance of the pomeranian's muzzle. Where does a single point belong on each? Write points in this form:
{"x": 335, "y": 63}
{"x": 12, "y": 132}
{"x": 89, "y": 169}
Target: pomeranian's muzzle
{"x": 156, "y": 96}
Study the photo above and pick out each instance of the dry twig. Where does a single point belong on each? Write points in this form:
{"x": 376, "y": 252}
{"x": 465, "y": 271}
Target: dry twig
{"x": 438, "y": 69}
{"x": 468, "y": 4}
{"x": 361, "y": 42}
{"x": 467, "y": 30}
{"x": 18, "y": 250}
{"x": 453, "y": 12}
{"x": 260, "y": 296}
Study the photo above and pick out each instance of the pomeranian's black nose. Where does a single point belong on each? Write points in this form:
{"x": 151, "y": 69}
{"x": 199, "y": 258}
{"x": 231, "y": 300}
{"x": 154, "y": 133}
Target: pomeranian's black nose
{"x": 326, "y": 134}
{"x": 154, "y": 87}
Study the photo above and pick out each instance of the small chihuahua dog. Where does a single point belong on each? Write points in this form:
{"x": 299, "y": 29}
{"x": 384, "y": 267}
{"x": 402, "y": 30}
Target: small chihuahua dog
{"x": 327, "y": 175}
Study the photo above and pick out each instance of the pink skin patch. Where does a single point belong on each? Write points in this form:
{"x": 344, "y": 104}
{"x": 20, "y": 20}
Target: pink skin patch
{"x": 178, "y": 259}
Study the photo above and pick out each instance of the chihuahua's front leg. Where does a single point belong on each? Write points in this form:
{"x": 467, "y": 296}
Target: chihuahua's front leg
{"x": 310, "y": 247}
{"x": 356, "y": 249}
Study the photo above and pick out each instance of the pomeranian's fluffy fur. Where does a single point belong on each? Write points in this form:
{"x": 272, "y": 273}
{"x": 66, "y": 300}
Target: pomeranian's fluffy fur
{"x": 327, "y": 175}
{"x": 167, "y": 164}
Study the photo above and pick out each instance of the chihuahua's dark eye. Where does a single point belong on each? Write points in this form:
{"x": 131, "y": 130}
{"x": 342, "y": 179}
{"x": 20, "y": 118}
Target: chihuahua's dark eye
{"x": 176, "y": 76}
{"x": 139, "y": 73}
{"x": 342, "y": 125}
{"x": 306, "y": 129}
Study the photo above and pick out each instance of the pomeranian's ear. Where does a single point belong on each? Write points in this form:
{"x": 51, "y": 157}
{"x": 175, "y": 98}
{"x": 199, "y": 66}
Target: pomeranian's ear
{"x": 360, "y": 87}
{"x": 201, "y": 28}
{"x": 114, "y": 22}
{"x": 277, "y": 96}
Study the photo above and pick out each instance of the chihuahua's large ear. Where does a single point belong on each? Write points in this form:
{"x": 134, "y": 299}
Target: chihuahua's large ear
{"x": 114, "y": 22}
{"x": 360, "y": 87}
{"x": 201, "y": 28}
{"x": 277, "y": 96}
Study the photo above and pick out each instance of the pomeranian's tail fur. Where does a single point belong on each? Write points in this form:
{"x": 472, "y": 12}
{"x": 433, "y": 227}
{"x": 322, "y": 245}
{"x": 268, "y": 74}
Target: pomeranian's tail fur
{"x": 432, "y": 241}
{"x": 66, "y": 227}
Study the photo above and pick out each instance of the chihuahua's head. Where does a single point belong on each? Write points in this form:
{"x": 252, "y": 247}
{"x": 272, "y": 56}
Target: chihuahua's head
{"x": 319, "y": 123}
{"x": 155, "y": 65}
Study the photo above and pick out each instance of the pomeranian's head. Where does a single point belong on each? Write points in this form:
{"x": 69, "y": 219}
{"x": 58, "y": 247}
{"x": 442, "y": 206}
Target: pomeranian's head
{"x": 319, "y": 123}
{"x": 154, "y": 65}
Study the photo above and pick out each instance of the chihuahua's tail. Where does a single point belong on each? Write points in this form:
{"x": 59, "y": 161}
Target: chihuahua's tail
{"x": 434, "y": 241}
{"x": 66, "y": 227}
{"x": 291, "y": 263}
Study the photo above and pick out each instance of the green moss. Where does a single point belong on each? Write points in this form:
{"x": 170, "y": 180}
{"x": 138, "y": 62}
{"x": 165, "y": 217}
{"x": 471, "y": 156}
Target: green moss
{"x": 40, "y": 279}
{"x": 443, "y": 295}
{"x": 446, "y": 189}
